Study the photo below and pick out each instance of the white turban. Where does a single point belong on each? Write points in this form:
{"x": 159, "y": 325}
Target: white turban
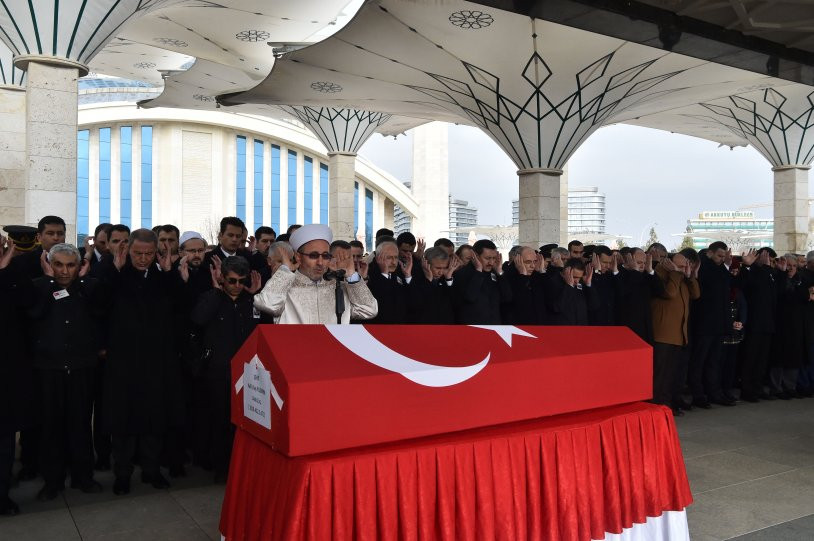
{"x": 307, "y": 233}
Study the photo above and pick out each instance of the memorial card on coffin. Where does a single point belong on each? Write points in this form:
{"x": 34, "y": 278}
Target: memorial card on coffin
{"x": 257, "y": 393}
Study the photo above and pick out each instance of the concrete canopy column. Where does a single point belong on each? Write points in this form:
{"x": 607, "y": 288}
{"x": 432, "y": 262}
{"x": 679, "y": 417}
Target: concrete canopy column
{"x": 540, "y": 206}
{"x": 791, "y": 208}
{"x": 51, "y": 124}
{"x": 341, "y": 176}
{"x": 13, "y": 175}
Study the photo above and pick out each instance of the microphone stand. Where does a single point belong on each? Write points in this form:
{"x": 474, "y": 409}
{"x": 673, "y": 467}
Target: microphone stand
{"x": 339, "y": 276}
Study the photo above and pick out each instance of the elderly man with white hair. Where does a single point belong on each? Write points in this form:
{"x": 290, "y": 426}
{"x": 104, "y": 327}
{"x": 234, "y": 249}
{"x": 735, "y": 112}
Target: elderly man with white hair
{"x": 303, "y": 289}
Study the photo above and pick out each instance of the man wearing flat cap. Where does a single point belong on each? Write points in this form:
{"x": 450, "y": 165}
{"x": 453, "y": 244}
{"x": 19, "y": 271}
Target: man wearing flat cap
{"x": 299, "y": 292}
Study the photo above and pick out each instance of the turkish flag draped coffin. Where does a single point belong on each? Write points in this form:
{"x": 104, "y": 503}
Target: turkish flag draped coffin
{"x": 306, "y": 389}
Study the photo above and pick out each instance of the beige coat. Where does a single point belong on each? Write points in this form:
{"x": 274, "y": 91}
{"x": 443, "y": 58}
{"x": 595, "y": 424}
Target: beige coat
{"x": 292, "y": 297}
{"x": 672, "y": 310}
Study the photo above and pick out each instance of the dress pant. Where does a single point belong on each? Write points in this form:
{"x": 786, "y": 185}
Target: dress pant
{"x": 729, "y": 368}
{"x": 805, "y": 378}
{"x": 705, "y": 367}
{"x": 7, "y": 448}
{"x": 666, "y": 368}
{"x": 215, "y": 432}
{"x": 783, "y": 379}
{"x": 757, "y": 347}
{"x": 101, "y": 438}
{"x": 125, "y": 447}
{"x": 66, "y": 439}
{"x": 30, "y": 448}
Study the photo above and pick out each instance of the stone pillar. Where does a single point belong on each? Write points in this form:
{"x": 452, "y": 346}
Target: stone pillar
{"x": 389, "y": 212}
{"x": 791, "y": 208}
{"x": 13, "y": 174}
{"x": 541, "y": 208}
{"x": 341, "y": 176}
{"x": 51, "y": 123}
{"x": 430, "y": 183}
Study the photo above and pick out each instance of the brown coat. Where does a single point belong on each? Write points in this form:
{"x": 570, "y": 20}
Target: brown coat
{"x": 672, "y": 310}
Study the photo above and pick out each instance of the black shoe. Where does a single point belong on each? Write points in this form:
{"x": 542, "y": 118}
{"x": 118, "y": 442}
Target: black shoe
{"x": 121, "y": 486}
{"x": 102, "y": 464}
{"x": 703, "y": 404}
{"x": 750, "y": 398}
{"x": 177, "y": 471}
{"x": 683, "y": 404}
{"x": 157, "y": 480}
{"x": 724, "y": 401}
{"x": 8, "y": 507}
{"x": 766, "y": 396}
{"x": 48, "y": 493}
{"x": 783, "y": 395}
{"x": 730, "y": 397}
{"x": 677, "y": 412}
{"x": 88, "y": 487}
{"x": 805, "y": 393}
{"x": 26, "y": 474}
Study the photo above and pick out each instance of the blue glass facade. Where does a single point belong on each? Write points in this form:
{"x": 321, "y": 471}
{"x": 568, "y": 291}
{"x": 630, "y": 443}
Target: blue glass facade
{"x": 240, "y": 179}
{"x": 308, "y": 192}
{"x": 82, "y": 184}
{"x": 292, "y": 187}
{"x": 104, "y": 175}
{"x": 126, "y": 174}
{"x": 258, "y": 183}
{"x": 368, "y": 219}
{"x": 275, "y": 188}
{"x": 323, "y": 193}
{"x": 147, "y": 176}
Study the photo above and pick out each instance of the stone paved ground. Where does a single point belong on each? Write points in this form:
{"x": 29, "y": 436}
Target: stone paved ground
{"x": 751, "y": 468}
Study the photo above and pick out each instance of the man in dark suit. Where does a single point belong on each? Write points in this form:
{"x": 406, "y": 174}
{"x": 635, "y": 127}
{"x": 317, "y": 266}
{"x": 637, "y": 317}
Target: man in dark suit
{"x": 96, "y": 246}
{"x": 479, "y": 289}
{"x": 760, "y": 284}
{"x": 390, "y": 287}
{"x": 570, "y": 298}
{"x": 230, "y": 243}
{"x": 28, "y": 266}
{"x": 431, "y": 292}
{"x": 709, "y": 323}
{"x": 636, "y": 285}
{"x": 525, "y": 276}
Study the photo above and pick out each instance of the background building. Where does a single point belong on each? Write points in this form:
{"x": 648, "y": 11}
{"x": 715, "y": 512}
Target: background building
{"x": 144, "y": 167}
{"x": 461, "y": 215}
{"x": 738, "y": 228}
{"x": 586, "y": 211}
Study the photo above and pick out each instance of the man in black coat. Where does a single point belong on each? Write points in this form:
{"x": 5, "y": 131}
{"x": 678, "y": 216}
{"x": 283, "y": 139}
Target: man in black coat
{"x": 709, "y": 323}
{"x": 525, "y": 275}
{"x": 571, "y": 297}
{"x": 14, "y": 367}
{"x": 140, "y": 350}
{"x": 389, "y": 287}
{"x": 96, "y": 245}
{"x": 66, "y": 311}
{"x": 431, "y": 292}
{"x": 604, "y": 284}
{"x": 50, "y": 231}
{"x": 479, "y": 288}
{"x": 636, "y": 285}
{"x": 230, "y": 243}
{"x": 761, "y": 285}
{"x": 227, "y": 316}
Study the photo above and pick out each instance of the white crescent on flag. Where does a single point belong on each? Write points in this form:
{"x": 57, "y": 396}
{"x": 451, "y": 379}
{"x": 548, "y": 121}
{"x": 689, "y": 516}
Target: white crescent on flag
{"x": 360, "y": 342}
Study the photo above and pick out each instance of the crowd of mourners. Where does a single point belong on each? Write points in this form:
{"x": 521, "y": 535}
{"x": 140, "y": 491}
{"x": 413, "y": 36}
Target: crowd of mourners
{"x": 117, "y": 353}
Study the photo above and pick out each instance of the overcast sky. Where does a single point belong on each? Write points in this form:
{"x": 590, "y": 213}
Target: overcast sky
{"x": 648, "y": 176}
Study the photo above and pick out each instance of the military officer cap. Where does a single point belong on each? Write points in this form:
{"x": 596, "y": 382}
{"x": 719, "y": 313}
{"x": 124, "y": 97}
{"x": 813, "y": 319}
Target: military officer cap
{"x": 24, "y": 237}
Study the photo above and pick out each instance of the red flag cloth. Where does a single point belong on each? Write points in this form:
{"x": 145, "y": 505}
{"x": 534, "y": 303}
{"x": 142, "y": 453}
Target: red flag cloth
{"x": 571, "y": 477}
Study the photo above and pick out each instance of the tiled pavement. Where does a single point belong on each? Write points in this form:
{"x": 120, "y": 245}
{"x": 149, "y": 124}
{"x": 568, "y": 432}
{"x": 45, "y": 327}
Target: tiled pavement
{"x": 751, "y": 468}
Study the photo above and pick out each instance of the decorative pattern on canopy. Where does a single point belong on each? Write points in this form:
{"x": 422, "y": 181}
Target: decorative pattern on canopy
{"x": 449, "y": 62}
{"x": 69, "y": 29}
{"x": 779, "y": 123}
{"x": 340, "y": 130}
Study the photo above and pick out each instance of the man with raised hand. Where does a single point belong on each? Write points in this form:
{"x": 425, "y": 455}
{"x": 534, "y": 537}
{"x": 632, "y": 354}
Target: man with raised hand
{"x": 299, "y": 290}
{"x": 140, "y": 351}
